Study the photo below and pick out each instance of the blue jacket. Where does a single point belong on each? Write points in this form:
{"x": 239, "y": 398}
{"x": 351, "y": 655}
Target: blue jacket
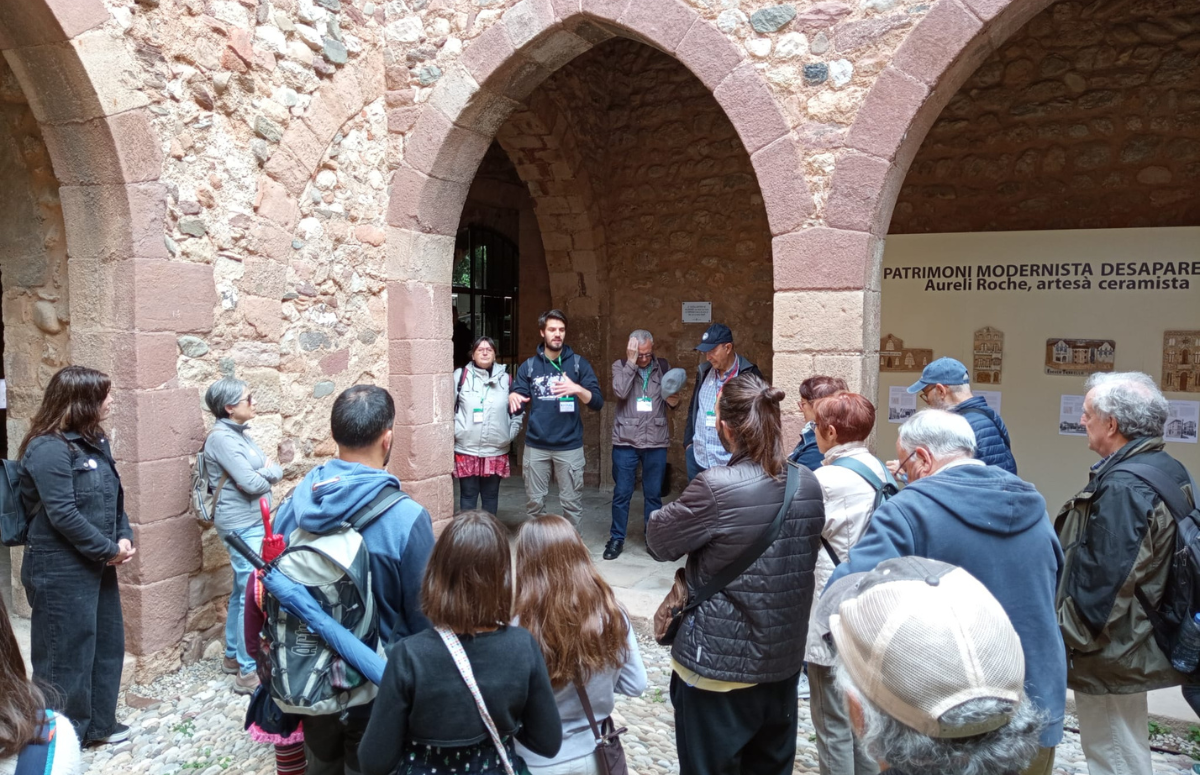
{"x": 992, "y": 444}
{"x": 399, "y": 541}
{"x": 995, "y": 526}
{"x": 549, "y": 427}
{"x": 807, "y": 453}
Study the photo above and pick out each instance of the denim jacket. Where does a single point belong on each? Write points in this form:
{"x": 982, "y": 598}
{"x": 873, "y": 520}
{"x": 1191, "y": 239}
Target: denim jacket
{"x": 73, "y": 492}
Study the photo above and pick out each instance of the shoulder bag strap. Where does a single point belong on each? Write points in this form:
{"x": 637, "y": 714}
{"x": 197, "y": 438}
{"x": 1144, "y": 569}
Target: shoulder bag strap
{"x": 384, "y": 500}
{"x": 867, "y": 474}
{"x": 751, "y": 554}
{"x": 462, "y": 378}
{"x": 464, "y": 669}
{"x": 37, "y": 758}
{"x": 587, "y": 709}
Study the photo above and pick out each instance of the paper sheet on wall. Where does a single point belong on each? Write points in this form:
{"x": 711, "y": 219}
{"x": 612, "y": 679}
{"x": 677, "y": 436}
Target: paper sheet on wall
{"x": 992, "y": 397}
{"x": 1182, "y": 420}
{"x": 901, "y": 404}
{"x": 3, "y": 394}
{"x": 1070, "y": 408}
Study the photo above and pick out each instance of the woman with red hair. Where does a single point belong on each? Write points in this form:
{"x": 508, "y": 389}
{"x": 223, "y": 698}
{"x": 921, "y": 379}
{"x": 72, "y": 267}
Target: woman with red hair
{"x": 850, "y": 477}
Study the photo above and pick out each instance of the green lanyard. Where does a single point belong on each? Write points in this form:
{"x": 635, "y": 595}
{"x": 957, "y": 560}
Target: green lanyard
{"x": 557, "y": 364}
{"x": 646, "y": 382}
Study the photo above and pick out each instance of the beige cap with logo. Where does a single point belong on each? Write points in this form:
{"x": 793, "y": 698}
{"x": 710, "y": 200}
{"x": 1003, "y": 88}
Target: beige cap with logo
{"x": 920, "y": 637}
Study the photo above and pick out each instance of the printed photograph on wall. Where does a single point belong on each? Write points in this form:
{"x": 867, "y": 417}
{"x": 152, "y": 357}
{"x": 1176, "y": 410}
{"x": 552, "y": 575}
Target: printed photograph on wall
{"x": 1182, "y": 420}
{"x": 894, "y": 356}
{"x": 1070, "y": 414}
{"x": 1181, "y": 361}
{"x": 989, "y": 355}
{"x": 1079, "y": 357}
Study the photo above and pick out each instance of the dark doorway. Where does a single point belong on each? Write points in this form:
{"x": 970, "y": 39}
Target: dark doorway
{"x": 486, "y": 273}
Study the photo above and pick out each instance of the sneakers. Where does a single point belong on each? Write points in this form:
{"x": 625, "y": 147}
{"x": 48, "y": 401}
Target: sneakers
{"x": 230, "y": 666}
{"x": 245, "y": 683}
{"x": 119, "y": 734}
{"x": 613, "y": 549}
{"x": 804, "y": 690}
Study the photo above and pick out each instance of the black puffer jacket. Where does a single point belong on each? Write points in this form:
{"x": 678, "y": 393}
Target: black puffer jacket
{"x": 754, "y": 630}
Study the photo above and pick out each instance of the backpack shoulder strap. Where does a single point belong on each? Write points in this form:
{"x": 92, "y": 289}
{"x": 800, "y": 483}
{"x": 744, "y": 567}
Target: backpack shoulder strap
{"x": 36, "y": 758}
{"x": 1162, "y": 484}
{"x": 752, "y": 552}
{"x": 577, "y": 356}
{"x": 388, "y": 496}
{"x": 867, "y": 474}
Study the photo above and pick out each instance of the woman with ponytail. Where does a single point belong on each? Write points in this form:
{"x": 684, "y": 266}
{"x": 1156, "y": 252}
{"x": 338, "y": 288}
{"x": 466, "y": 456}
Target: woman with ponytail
{"x": 736, "y": 658}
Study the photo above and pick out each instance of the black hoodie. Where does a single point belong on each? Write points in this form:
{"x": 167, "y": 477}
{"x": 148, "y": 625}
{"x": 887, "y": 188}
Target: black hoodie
{"x": 551, "y": 428}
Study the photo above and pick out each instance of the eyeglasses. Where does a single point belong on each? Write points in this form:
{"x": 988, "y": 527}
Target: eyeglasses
{"x": 645, "y": 356}
{"x": 924, "y": 394}
{"x": 248, "y": 400}
{"x": 482, "y": 350}
{"x": 904, "y": 462}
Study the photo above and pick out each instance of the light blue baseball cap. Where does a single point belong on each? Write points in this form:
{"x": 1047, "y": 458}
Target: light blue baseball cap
{"x": 943, "y": 371}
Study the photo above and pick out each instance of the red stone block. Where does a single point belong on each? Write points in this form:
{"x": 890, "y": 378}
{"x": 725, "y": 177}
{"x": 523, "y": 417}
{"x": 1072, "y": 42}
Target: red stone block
{"x": 156, "y": 489}
{"x": 489, "y": 53}
{"x": 856, "y": 192}
{"x": 290, "y": 172}
{"x": 419, "y": 311}
{"x": 423, "y": 451}
{"x": 327, "y": 113}
{"x": 708, "y": 53}
{"x": 987, "y": 10}
{"x": 404, "y": 196}
{"x": 132, "y": 360}
{"x": 423, "y": 398}
{"x": 271, "y": 240}
{"x": 884, "y": 119}
{"x": 335, "y": 363}
{"x": 440, "y": 206}
{"x": 565, "y": 9}
{"x": 419, "y": 356}
{"x": 274, "y": 201}
{"x": 824, "y": 259}
{"x": 156, "y": 424}
{"x": 751, "y": 108}
{"x": 165, "y": 548}
{"x": 264, "y": 315}
{"x": 780, "y": 171}
{"x": 436, "y": 495}
{"x": 176, "y": 296}
{"x": 401, "y": 120}
{"x": 117, "y": 149}
{"x": 664, "y": 23}
{"x": 115, "y": 221}
{"x": 937, "y": 41}
{"x": 154, "y": 614}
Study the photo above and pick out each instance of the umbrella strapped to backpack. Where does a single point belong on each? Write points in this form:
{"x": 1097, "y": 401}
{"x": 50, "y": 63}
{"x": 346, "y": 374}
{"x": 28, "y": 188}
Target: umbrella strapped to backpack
{"x": 273, "y": 545}
{"x": 298, "y": 601}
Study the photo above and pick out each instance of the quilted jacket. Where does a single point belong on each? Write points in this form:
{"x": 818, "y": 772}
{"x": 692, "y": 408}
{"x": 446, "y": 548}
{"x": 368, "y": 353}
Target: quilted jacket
{"x": 754, "y": 630}
{"x": 992, "y": 444}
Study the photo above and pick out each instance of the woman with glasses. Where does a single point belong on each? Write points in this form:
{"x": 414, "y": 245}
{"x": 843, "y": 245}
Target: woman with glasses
{"x": 239, "y": 473}
{"x": 813, "y": 389}
{"x": 483, "y": 428}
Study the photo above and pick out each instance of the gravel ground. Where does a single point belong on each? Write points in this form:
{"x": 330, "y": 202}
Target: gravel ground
{"x": 190, "y": 722}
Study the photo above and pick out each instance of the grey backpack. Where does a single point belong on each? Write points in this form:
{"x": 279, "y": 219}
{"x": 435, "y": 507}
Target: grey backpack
{"x": 307, "y": 677}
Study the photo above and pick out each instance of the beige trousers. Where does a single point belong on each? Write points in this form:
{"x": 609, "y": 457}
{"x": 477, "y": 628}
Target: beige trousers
{"x": 1114, "y": 732}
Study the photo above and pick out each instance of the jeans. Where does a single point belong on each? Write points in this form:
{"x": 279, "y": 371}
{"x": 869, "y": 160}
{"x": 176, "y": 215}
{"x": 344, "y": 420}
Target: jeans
{"x": 625, "y": 462}
{"x": 77, "y": 637}
{"x": 471, "y": 488}
{"x": 693, "y": 468}
{"x": 235, "y": 628}
{"x": 568, "y": 471}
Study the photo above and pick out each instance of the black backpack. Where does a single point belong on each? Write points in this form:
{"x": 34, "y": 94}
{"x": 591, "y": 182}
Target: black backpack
{"x": 1179, "y": 599}
{"x": 14, "y": 519}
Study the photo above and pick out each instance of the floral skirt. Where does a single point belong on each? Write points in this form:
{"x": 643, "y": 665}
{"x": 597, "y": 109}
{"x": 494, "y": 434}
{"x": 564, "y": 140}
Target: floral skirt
{"x": 480, "y": 759}
{"x": 470, "y": 465}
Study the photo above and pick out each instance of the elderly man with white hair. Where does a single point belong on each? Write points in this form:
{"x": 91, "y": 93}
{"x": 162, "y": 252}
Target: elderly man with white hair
{"x": 1119, "y": 536}
{"x": 931, "y": 670}
{"x": 958, "y": 510}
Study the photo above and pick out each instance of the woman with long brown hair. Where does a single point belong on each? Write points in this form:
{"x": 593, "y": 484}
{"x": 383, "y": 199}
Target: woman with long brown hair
{"x": 28, "y": 731}
{"x": 584, "y": 634}
{"x": 78, "y": 534}
{"x": 736, "y": 658}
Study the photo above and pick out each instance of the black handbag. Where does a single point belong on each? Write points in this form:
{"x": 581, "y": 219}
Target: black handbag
{"x": 610, "y": 756}
{"x": 670, "y": 613}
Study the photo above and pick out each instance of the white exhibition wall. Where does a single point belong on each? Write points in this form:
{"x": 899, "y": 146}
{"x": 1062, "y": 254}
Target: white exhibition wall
{"x": 929, "y": 313}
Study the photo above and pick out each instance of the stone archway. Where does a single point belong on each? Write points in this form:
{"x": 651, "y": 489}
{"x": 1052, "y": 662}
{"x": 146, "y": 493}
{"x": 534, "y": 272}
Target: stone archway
{"x": 129, "y": 301}
{"x": 467, "y": 107}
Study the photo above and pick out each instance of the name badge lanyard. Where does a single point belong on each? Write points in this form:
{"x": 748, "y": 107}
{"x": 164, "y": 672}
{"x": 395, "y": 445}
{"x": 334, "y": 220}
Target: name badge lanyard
{"x": 710, "y": 419}
{"x": 558, "y": 365}
{"x": 645, "y": 403}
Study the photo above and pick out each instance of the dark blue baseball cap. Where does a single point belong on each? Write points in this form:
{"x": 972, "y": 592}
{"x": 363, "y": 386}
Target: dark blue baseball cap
{"x": 717, "y": 333}
{"x": 943, "y": 371}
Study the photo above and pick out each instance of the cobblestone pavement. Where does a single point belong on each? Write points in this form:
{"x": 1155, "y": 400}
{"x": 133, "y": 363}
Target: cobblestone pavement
{"x": 191, "y": 723}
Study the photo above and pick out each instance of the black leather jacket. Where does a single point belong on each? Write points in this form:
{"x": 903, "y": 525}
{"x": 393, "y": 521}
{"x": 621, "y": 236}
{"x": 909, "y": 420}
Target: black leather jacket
{"x": 754, "y": 630}
{"x": 73, "y": 492}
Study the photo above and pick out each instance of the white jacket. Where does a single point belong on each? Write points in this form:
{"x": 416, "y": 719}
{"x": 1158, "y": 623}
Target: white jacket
{"x": 848, "y": 503}
{"x": 493, "y": 435}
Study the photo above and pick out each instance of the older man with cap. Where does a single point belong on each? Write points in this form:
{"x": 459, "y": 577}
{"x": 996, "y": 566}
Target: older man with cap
{"x": 703, "y": 448}
{"x": 945, "y": 384}
{"x": 931, "y": 670}
{"x": 986, "y": 520}
{"x": 640, "y": 433}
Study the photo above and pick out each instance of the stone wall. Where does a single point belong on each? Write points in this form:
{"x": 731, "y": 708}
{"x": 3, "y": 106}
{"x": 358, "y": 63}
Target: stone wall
{"x": 33, "y": 264}
{"x": 1089, "y": 117}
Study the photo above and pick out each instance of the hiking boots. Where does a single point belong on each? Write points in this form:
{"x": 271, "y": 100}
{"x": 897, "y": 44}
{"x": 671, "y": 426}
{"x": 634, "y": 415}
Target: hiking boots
{"x": 230, "y": 666}
{"x": 245, "y": 683}
{"x": 612, "y": 550}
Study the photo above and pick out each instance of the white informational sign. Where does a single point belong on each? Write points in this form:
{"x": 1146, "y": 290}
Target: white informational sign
{"x": 3, "y": 394}
{"x": 1181, "y": 421}
{"x": 1070, "y": 409}
{"x": 901, "y": 404}
{"x": 697, "y": 312}
{"x": 992, "y": 397}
